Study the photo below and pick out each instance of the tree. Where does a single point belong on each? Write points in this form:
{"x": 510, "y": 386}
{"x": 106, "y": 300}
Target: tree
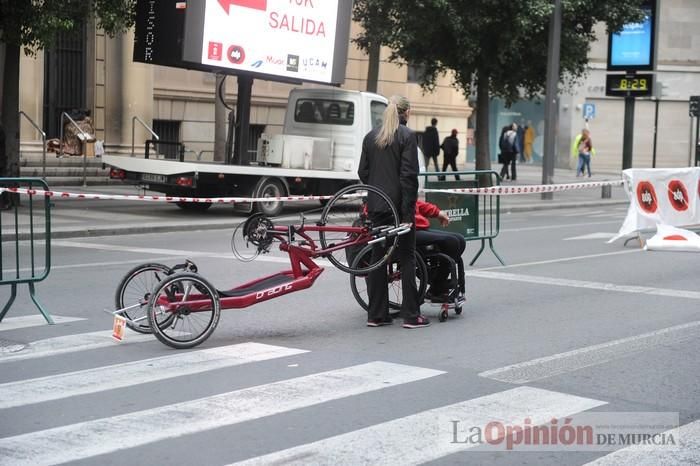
{"x": 498, "y": 47}
{"x": 32, "y": 25}
{"x": 373, "y": 16}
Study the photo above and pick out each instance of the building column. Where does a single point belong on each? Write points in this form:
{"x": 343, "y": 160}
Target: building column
{"x": 129, "y": 93}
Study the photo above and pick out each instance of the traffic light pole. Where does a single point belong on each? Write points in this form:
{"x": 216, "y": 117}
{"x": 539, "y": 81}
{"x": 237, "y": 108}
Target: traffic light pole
{"x": 551, "y": 108}
{"x": 628, "y": 134}
{"x": 697, "y": 141}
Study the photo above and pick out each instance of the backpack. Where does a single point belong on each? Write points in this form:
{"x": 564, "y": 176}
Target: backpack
{"x": 507, "y": 142}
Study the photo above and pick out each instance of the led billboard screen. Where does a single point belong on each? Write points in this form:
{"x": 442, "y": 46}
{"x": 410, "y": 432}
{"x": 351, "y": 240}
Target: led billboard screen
{"x": 633, "y": 47}
{"x": 297, "y": 40}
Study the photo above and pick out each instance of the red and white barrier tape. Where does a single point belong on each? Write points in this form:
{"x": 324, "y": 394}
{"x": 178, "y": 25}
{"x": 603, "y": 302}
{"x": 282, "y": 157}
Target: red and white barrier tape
{"x": 492, "y": 191}
{"x": 528, "y": 189}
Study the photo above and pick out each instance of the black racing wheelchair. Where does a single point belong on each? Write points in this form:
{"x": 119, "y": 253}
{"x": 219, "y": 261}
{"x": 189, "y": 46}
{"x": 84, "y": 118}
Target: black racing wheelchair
{"x": 429, "y": 260}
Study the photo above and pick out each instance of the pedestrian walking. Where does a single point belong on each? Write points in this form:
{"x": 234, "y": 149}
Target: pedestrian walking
{"x": 389, "y": 161}
{"x": 450, "y": 151}
{"x": 583, "y": 147}
{"x": 506, "y": 144}
{"x": 431, "y": 144}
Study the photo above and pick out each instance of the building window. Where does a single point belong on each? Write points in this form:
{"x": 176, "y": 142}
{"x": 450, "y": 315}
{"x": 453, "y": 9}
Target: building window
{"x": 415, "y": 73}
{"x": 168, "y": 132}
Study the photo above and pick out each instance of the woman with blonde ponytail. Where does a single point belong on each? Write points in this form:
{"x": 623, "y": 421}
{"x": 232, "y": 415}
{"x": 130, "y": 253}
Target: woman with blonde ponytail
{"x": 389, "y": 161}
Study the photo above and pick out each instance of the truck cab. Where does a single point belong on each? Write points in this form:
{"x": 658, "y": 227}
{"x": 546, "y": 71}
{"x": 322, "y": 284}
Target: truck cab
{"x": 323, "y": 130}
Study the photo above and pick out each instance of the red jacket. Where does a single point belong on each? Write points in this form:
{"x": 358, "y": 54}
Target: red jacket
{"x": 423, "y": 210}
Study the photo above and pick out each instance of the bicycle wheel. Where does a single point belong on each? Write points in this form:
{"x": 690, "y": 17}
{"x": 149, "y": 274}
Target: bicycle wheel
{"x": 193, "y": 304}
{"x": 135, "y": 290}
{"x": 358, "y": 283}
{"x": 349, "y": 208}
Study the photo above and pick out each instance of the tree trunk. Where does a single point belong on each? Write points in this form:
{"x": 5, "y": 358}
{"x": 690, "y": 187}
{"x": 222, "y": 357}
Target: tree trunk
{"x": 10, "y": 112}
{"x": 374, "y": 53}
{"x": 483, "y": 152}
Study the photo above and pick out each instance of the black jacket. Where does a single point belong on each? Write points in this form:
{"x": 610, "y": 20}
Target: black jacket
{"x": 450, "y": 146}
{"x": 431, "y": 142}
{"x": 393, "y": 169}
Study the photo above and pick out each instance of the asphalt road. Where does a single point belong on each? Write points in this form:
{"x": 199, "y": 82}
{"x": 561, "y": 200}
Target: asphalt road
{"x": 570, "y": 325}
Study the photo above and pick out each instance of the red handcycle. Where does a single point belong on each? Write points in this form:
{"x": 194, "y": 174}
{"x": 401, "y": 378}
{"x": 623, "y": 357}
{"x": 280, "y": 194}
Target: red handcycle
{"x": 182, "y": 308}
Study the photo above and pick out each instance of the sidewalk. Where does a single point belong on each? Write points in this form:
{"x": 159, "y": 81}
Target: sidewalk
{"x": 73, "y": 218}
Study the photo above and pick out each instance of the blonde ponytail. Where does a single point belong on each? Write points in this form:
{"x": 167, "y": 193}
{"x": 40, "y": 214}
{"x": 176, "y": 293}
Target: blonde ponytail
{"x": 398, "y": 105}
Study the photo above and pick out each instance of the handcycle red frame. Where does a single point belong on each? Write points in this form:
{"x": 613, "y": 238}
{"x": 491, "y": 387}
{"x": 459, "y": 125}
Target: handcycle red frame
{"x": 187, "y": 296}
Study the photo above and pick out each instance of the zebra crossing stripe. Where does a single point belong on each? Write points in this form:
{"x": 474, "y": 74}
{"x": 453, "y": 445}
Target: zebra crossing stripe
{"x": 91, "y": 438}
{"x": 72, "y": 344}
{"x": 688, "y": 452}
{"x": 14, "y": 323}
{"x": 100, "y": 379}
{"x": 430, "y": 435}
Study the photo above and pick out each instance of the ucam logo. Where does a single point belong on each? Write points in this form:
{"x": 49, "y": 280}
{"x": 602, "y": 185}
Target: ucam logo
{"x": 678, "y": 195}
{"x": 646, "y": 197}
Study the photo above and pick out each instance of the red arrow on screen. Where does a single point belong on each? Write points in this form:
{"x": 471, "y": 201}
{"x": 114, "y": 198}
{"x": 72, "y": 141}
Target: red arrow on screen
{"x": 255, "y": 4}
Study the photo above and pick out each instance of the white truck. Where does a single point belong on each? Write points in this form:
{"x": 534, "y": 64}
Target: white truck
{"x": 317, "y": 154}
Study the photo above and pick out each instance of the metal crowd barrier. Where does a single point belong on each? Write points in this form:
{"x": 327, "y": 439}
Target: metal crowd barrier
{"x": 476, "y": 217}
{"x": 21, "y": 249}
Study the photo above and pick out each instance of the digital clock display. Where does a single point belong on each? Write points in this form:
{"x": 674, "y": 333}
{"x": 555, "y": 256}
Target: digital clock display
{"x": 625, "y": 85}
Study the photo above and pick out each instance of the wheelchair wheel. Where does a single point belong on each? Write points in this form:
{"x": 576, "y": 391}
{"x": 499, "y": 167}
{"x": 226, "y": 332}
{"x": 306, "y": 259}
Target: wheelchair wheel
{"x": 135, "y": 290}
{"x": 190, "y": 305}
{"x": 347, "y": 208}
{"x": 358, "y": 282}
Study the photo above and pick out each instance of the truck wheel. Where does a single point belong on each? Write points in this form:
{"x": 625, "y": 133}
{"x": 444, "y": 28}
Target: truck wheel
{"x": 272, "y": 188}
{"x": 194, "y": 206}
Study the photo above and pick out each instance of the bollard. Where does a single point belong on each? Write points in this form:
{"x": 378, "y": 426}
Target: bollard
{"x": 606, "y": 191}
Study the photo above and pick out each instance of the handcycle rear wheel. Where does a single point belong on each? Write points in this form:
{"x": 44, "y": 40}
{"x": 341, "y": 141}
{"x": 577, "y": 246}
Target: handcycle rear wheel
{"x": 193, "y": 306}
{"x": 358, "y": 282}
{"x": 348, "y": 208}
{"x": 135, "y": 289}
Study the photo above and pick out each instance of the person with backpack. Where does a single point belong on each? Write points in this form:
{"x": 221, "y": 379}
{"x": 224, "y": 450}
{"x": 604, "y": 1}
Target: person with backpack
{"x": 506, "y": 144}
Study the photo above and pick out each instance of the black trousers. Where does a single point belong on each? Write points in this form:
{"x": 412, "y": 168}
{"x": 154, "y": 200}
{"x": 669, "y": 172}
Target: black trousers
{"x": 378, "y": 284}
{"x": 450, "y": 160}
{"x": 428, "y": 158}
{"x": 508, "y": 159}
{"x": 452, "y": 244}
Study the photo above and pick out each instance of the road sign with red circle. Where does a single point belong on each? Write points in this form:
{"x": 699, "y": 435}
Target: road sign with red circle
{"x": 646, "y": 197}
{"x": 678, "y": 195}
{"x": 236, "y": 54}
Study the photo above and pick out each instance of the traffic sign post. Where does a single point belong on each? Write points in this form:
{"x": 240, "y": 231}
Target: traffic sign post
{"x": 694, "y": 112}
{"x": 589, "y": 111}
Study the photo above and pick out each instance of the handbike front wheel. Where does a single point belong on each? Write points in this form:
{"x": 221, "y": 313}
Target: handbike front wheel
{"x": 357, "y": 205}
{"x": 134, "y": 292}
{"x": 191, "y": 306}
{"x": 358, "y": 283}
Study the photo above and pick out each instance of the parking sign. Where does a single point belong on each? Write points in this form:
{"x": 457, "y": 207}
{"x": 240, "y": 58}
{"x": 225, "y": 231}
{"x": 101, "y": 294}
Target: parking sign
{"x": 588, "y": 111}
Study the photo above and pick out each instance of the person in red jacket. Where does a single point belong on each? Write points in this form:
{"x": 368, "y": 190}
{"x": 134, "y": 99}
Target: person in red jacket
{"x": 452, "y": 244}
